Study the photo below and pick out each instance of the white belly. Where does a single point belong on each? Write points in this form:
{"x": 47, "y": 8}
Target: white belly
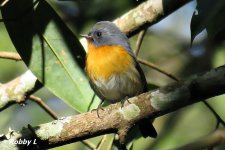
{"x": 120, "y": 86}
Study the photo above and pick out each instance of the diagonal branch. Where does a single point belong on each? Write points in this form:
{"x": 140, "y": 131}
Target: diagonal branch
{"x": 147, "y": 14}
{"x": 16, "y": 90}
{"x": 116, "y": 120}
{"x": 140, "y": 38}
{"x": 10, "y": 55}
{"x": 144, "y": 15}
{"x": 153, "y": 66}
{"x": 44, "y": 106}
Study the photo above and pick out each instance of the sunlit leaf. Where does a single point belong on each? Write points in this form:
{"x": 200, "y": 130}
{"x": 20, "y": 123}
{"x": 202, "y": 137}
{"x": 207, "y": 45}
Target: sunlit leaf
{"x": 49, "y": 49}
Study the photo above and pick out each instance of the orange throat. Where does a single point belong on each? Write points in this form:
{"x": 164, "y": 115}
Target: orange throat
{"x": 105, "y": 61}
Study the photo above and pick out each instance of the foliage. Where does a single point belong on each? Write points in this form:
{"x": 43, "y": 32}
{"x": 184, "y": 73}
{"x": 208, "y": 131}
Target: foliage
{"x": 50, "y": 50}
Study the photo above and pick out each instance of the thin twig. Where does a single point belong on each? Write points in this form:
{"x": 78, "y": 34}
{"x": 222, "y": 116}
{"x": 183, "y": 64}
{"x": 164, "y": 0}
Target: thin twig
{"x": 54, "y": 116}
{"x": 102, "y": 141}
{"x": 44, "y": 106}
{"x": 10, "y": 55}
{"x": 219, "y": 119}
{"x": 3, "y": 2}
{"x": 89, "y": 144}
{"x": 153, "y": 66}
{"x": 139, "y": 41}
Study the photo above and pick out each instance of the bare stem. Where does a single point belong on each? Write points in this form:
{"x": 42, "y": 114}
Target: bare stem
{"x": 139, "y": 41}
{"x": 153, "y": 66}
{"x": 3, "y": 2}
{"x": 10, "y": 55}
{"x": 44, "y": 106}
{"x": 54, "y": 116}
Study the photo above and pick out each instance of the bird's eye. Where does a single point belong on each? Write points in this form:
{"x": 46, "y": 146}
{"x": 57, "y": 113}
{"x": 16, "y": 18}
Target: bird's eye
{"x": 98, "y": 34}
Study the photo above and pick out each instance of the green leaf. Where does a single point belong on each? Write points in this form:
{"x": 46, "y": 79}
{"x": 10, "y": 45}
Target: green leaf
{"x": 209, "y": 15}
{"x": 49, "y": 49}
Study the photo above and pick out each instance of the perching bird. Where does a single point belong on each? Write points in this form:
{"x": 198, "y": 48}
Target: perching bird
{"x": 112, "y": 68}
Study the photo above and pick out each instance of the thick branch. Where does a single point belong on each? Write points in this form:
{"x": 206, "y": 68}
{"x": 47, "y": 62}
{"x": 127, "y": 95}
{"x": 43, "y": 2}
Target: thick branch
{"x": 145, "y": 15}
{"x": 116, "y": 120}
{"x": 15, "y": 90}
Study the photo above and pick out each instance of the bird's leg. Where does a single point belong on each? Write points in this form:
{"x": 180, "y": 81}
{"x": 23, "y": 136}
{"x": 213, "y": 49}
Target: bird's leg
{"x": 124, "y": 100}
{"x": 99, "y": 107}
{"x": 127, "y": 99}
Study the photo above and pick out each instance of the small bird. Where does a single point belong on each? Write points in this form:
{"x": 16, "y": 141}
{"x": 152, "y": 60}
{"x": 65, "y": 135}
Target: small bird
{"x": 112, "y": 68}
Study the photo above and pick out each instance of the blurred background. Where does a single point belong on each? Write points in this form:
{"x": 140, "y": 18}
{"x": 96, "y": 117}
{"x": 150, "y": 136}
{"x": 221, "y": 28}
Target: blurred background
{"x": 166, "y": 44}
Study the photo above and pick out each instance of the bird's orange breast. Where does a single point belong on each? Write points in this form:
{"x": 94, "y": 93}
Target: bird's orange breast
{"x": 105, "y": 61}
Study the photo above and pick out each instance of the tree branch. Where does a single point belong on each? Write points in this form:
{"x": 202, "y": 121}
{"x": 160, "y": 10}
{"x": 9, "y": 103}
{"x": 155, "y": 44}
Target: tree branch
{"x": 16, "y": 90}
{"x": 144, "y": 15}
{"x": 44, "y": 106}
{"x": 3, "y": 2}
{"x": 116, "y": 120}
{"x": 157, "y": 68}
{"x": 10, "y": 55}
{"x": 140, "y": 38}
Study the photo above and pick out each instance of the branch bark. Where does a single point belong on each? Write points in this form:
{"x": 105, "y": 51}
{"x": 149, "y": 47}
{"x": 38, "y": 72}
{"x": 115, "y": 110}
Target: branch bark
{"x": 116, "y": 120}
{"x": 144, "y": 15}
{"x": 16, "y": 90}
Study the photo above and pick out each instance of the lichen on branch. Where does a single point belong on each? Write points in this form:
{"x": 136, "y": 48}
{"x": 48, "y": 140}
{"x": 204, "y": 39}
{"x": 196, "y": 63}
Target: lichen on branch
{"x": 15, "y": 90}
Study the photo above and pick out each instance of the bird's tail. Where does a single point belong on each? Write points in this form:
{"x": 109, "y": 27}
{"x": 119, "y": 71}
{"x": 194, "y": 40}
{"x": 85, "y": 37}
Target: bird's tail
{"x": 146, "y": 128}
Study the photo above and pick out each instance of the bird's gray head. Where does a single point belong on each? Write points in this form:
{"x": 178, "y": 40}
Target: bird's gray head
{"x": 107, "y": 33}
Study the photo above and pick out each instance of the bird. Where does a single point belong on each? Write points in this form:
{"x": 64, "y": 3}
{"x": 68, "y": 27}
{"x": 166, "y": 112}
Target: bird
{"x": 112, "y": 68}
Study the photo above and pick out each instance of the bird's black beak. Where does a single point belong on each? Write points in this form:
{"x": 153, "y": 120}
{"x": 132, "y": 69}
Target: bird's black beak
{"x": 86, "y": 36}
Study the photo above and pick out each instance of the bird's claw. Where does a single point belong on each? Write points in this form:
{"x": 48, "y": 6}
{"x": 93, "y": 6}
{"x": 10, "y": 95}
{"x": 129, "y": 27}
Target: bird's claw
{"x": 97, "y": 109}
{"x": 124, "y": 100}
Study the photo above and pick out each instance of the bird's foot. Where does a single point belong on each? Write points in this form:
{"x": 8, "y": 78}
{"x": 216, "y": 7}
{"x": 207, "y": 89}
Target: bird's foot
{"x": 97, "y": 109}
{"x": 124, "y": 100}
